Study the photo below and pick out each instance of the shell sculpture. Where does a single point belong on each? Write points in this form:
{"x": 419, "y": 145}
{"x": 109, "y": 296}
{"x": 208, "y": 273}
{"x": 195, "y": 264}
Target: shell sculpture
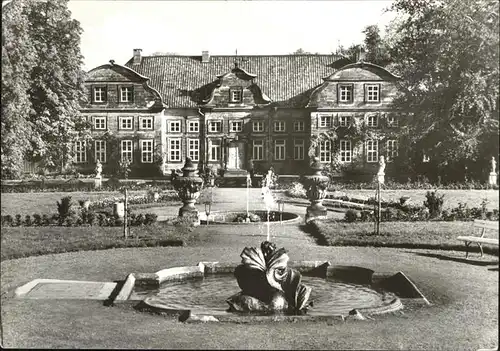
{"x": 267, "y": 284}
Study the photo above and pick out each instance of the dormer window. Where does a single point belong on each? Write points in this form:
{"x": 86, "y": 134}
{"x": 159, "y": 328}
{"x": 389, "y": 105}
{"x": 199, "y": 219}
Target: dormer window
{"x": 99, "y": 94}
{"x": 372, "y": 92}
{"x": 126, "y": 94}
{"x": 345, "y": 93}
{"x": 235, "y": 95}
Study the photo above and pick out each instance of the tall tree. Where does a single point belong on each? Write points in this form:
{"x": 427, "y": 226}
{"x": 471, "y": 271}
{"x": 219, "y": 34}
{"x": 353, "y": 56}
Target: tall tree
{"x": 447, "y": 53}
{"x": 41, "y": 84}
{"x": 18, "y": 57}
{"x": 56, "y": 84}
{"x": 377, "y": 51}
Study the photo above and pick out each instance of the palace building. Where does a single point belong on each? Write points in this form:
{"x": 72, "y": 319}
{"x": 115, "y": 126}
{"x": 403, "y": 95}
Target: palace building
{"x": 230, "y": 112}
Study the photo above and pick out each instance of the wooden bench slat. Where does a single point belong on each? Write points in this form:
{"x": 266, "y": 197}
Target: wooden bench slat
{"x": 476, "y": 239}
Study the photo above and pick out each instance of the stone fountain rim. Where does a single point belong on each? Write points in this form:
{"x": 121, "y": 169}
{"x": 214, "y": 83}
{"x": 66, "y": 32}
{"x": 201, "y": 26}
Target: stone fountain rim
{"x": 307, "y": 268}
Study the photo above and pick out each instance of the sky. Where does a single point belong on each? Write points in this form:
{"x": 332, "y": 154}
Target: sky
{"x": 112, "y": 29}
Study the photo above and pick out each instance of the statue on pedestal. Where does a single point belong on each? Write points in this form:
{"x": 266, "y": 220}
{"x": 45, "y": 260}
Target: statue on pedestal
{"x": 381, "y": 163}
{"x": 98, "y": 169}
{"x": 493, "y": 165}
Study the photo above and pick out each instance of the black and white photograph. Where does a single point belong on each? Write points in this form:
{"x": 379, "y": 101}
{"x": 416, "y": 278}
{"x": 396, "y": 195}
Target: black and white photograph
{"x": 250, "y": 174}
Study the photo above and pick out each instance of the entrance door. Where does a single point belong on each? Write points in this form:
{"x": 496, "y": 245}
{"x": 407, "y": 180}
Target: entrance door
{"x": 232, "y": 156}
{"x": 235, "y": 155}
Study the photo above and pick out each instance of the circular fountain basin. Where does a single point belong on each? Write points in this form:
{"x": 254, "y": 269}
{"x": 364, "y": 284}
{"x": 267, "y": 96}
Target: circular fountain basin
{"x": 256, "y": 217}
{"x": 209, "y": 294}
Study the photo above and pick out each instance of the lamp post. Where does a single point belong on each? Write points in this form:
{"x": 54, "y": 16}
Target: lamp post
{"x": 208, "y": 206}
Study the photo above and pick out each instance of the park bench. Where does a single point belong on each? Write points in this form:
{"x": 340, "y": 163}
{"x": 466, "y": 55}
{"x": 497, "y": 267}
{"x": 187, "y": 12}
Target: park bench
{"x": 480, "y": 240}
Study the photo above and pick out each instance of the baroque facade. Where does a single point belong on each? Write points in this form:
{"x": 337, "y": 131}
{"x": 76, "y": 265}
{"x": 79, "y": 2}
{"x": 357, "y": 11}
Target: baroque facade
{"x": 232, "y": 112}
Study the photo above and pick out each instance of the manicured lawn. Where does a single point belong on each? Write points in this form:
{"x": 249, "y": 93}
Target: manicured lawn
{"x": 472, "y": 198}
{"x": 463, "y": 314}
{"x": 45, "y": 203}
{"x": 32, "y": 241}
{"x": 438, "y": 235}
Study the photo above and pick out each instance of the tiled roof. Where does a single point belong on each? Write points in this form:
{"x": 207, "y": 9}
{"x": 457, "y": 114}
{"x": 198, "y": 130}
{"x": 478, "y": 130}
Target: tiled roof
{"x": 286, "y": 79}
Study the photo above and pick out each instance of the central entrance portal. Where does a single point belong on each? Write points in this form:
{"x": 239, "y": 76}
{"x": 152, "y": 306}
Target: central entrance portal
{"x": 236, "y": 156}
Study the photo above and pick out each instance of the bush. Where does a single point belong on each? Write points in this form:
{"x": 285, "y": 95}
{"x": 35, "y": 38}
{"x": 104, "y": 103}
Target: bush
{"x": 434, "y": 203}
{"x": 27, "y": 221}
{"x": 19, "y": 221}
{"x": 64, "y": 208}
{"x": 296, "y": 189}
{"x": 351, "y": 216}
{"x": 37, "y": 220}
{"x": 367, "y": 216}
{"x": 7, "y": 221}
{"x": 45, "y": 219}
{"x": 150, "y": 218}
{"x": 139, "y": 220}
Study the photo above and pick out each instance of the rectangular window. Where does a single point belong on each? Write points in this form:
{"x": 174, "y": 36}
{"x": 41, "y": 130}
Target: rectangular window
{"x": 193, "y": 126}
{"x": 258, "y": 126}
{"x": 99, "y": 94}
{"x": 392, "y": 120}
{"x": 215, "y": 126}
{"x": 174, "y": 149}
{"x": 372, "y": 93}
{"x": 80, "y": 152}
{"x": 126, "y": 94}
{"x": 298, "y": 149}
{"x": 126, "y": 150}
{"x": 344, "y": 121}
{"x": 325, "y": 151}
{"x": 174, "y": 126}
{"x": 99, "y": 123}
{"x": 258, "y": 150}
{"x": 391, "y": 150}
{"x": 279, "y": 126}
{"x": 146, "y": 123}
{"x": 236, "y": 126}
{"x": 100, "y": 151}
{"x": 298, "y": 126}
{"x": 126, "y": 123}
{"x": 194, "y": 149}
{"x": 279, "y": 149}
{"x": 372, "y": 120}
{"x": 236, "y": 95}
{"x": 426, "y": 158}
{"x": 147, "y": 151}
{"x": 325, "y": 121}
{"x": 215, "y": 153}
{"x": 371, "y": 150}
{"x": 345, "y": 93}
{"x": 345, "y": 151}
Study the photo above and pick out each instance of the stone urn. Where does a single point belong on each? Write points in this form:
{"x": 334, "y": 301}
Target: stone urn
{"x": 316, "y": 185}
{"x": 188, "y": 187}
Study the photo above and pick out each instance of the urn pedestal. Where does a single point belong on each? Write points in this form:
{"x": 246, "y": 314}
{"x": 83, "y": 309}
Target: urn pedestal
{"x": 493, "y": 178}
{"x": 97, "y": 182}
{"x": 316, "y": 185}
{"x": 188, "y": 187}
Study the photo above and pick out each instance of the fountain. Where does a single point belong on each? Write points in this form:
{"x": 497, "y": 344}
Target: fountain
{"x": 188, "y": 187}
{"x": 316, "y": 185}
{"x": 267, "y": 284}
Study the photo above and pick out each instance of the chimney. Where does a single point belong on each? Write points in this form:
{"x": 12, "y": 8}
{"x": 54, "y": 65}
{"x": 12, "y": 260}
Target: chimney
{"x": 205, "y": 57}
{"x": 137, "y": 56}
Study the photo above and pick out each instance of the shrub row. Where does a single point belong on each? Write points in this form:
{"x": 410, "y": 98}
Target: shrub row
{"x": 420, "y": 213}
{"x": 295, "y": 189}
{"x": 85, "y": 218}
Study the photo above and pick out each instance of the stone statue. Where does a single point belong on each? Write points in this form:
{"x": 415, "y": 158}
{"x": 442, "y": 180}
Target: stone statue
{"x": 493, "y": 165}
{"x": 381, "y": 164}
{"x": 249, "y": 180}
{"x": 267, "y": 284}
{"x": 98, "y": 169}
